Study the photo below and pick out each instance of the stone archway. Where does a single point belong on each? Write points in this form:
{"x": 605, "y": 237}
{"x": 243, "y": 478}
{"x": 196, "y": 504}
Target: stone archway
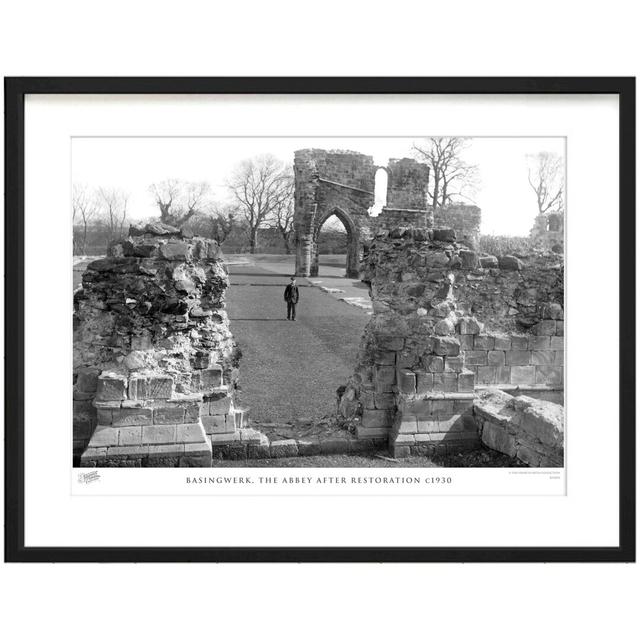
{"x": 328, "y": 183}
{"x": 353, "y": 243}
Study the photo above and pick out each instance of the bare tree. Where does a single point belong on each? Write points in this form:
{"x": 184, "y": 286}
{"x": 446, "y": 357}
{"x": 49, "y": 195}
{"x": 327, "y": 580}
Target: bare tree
{"x": 282, "y": 218}
{"x": 450, "y": 176}
{"x": 216, "y": 222}
{"x": 112, "y": 205}
{"x": 546, "y": 178}
{"x": 259, "y": 186}
{"x": 178, "y": 200}
{"x": 84, "y": 207}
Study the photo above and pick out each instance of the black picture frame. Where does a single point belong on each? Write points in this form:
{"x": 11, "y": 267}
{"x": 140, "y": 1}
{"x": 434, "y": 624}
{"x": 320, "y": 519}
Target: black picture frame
{"x": 15, "y": 91}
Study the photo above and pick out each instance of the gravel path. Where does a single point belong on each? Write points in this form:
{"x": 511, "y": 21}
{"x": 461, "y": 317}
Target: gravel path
{"x": 290, "y": 370}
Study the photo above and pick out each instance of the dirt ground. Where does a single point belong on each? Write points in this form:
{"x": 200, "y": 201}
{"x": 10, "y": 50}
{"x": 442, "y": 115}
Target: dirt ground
{"x": 479, "y": 458}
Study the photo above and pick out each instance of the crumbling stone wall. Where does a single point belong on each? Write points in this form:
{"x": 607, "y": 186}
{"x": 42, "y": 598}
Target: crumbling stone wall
{"x": 547, "y": 232}
{"x": 529, "y": 429}
{"x": 463, "y": 219}
{"x": 446, "y": 322}
{"x": 153, "y": 353}
{"x": 342, "y": 183}
{"x": 407, "y": 184}
{"x": 328, "y": 183}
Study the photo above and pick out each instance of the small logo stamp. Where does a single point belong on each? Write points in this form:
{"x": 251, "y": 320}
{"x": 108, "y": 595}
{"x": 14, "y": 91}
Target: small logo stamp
{"x": 88, "y": 477}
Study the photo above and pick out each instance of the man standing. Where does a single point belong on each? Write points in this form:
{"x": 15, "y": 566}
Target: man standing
{"x": 291, "y": 297}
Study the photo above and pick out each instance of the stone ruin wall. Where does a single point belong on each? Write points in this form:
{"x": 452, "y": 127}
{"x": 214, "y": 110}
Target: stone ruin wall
{"x": 547, "y": 233}
{"x": 463, "y": 219}
{"x": 446, "y": 323}
{"x": 155, "y": 364}
{"x": 342, "y": 183}
{"x": 328, "y": 182}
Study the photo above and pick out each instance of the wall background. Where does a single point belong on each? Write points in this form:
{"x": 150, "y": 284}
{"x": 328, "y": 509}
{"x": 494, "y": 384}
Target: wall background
{"x": 359, "y": 38}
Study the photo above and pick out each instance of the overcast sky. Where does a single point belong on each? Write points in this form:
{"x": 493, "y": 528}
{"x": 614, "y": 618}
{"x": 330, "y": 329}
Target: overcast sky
{"x": 504, "y": 195}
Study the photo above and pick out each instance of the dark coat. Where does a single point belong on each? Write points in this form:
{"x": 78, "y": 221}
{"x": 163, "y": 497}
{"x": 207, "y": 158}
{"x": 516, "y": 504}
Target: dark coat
{"x": 291, "y": 293}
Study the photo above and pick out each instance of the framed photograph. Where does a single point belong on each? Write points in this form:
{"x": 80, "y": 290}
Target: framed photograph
{"x": 320, "y": 319}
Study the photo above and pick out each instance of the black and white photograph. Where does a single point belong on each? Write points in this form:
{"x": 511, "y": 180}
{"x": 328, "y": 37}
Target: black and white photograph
{"x": 355, "y": 302}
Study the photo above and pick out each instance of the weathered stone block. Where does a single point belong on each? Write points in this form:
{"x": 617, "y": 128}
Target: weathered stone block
{"x": 518, "y": 357}
{"x": 111, "y": 387}
{"x": 510, "y": 263}
{"x": 519, "y": 343}
{"x": 539, "y": 343}
{"x": 386, "y": 400}
{"x": 138, "y": 388}
{"x": 406, "y": 424}
{"x": 132, "y": 417}
{"x": 385, "y": 376}
{"x": 545, "y": 328}
{"x": 217, "y": 424}
{"x": 168, "y": 415}
{"x": 552, "y": 311}
{"x": 372, "y": 432}
{"x": 560, "y": 328}
{"x": 543, "y": 357}
{"x": 556, "y": 343}
{"x": 496, "y": 358}
{"x": 219, "y": 405}
{"x": 487, "y": 375}
{"x": 477, "y": 358}
{"x": 390, "y": 343}
{"x": 496, "y": 437}
{"x": 551, "y": 375}
{"x": 466, "y": 381}
{"x": 522, "y": 375}
{"x": 129, "y": 436}
{"x": 104, "y": 416}
{"x": 502, "y": 343}
{"x": 424, "y": 383}
{"x": 87, "y": 380}
{"x": 466, "y": 341}
{"x": 190, "y": 433}
{"x": 192, "y": 412}
{"x": 488, "y": 262}
{"x": 446, "y": 346}
{"x": 434, "y": 364}
{"x": 483, "y": 342}
{"x": 444, "y": 235}
{"x": 503, "y": 375}
{"x": 159, "y": 387}
{"x": 444, "y": 327}
{"x": 159, "y": 434}
{"x": 454, "y": 363}
{"x": 259, "y": 451}
{"x": 175, "y": 251}
{"x": 406, "y": 383}
{"x": 469, "y": 259}
{"x": 469, "y": 326}
{"x": 105, "y": 437}
{"x": 211, "y": 378}
{"x": 528, "y": 456}
{"x": 428, "y": 424}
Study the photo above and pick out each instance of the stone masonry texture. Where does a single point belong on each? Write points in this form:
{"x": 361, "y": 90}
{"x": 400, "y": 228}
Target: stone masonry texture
{"x": 153, "y": 353}
{"x": 447, "y": 324}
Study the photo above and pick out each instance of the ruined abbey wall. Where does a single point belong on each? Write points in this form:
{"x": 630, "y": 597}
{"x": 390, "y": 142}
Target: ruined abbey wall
{"x": 463, "y": 219}
{"x": 155, "y": 364}
{"x": 328, "y": 183}
{"x": 447, "y": 322}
